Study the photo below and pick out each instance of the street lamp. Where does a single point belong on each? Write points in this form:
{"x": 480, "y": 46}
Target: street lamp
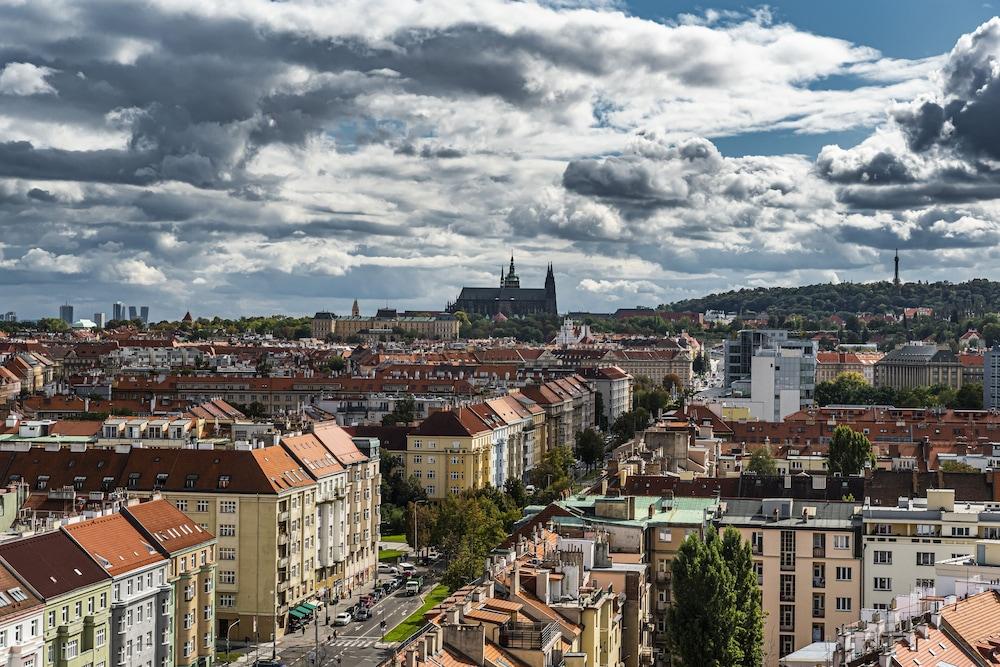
{"x": 228, "y": 660}
{"x": 416, "y": 534}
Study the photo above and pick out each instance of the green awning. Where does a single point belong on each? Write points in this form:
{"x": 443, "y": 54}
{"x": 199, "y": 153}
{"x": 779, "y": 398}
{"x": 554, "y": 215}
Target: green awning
{"x": 295, "y": 613}
{"x": 310, "y": 606}
{"x": 304, "y": 610}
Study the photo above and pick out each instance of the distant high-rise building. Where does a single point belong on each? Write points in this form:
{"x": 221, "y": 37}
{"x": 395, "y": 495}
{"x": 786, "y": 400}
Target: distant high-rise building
{"x": 991, "y": 379}
{"x": 100, "y": 319}
{"x": 133, "y": 313}
{"x": 118, "y": 312}
{"x": 144, "y": 314}
{"x": 9, "y": 316}
{"x": 66, "y": 313}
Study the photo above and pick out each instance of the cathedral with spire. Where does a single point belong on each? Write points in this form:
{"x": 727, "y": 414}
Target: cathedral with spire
{"x": 509, "y": 299}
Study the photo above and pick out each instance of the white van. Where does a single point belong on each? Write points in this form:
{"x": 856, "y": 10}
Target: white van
{"x": 385, "y": 568}
{"x": 407, "y": 568}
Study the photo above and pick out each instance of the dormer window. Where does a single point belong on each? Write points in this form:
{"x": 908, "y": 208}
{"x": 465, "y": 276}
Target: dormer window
{"x": 107, "y": 482}
{"x": 78, "y": 482}
{"x": 161, "y": 479}
{"x": 43, "y": 482}
{"x": 223, "y": 481}
{"x": 133, "y": 480}
{"x": 190, "y": 481}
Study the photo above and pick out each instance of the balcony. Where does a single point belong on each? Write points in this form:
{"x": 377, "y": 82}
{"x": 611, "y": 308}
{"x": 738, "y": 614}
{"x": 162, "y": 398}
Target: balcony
{"x": 646, "y": 655}
{"x": 283, "y": 562}
{"x": 787, "y": 626}
{"x": 819, "y": 582}
{"x": 282, "y": 538}
{"x": 819, "y": 612}
{"x": 531, "y": 636}
{"x": 283, "y": 516}
{"x": 663, "y": 577}
{"x": 787, "y": 596}
{"x": 819, "y": 552}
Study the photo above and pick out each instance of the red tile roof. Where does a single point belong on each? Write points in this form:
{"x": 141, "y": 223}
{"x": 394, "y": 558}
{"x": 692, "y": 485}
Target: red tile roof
{"x": 172, "y": 530}
{"x": 52, "y": 563}
{"x": 114, "y": 543}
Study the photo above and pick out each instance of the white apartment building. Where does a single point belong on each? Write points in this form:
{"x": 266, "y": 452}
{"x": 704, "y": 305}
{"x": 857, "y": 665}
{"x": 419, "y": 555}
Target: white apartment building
{"x": 902, "y": 544}
{"x": 21, "y": 616}
{"x": 782, "y": 379}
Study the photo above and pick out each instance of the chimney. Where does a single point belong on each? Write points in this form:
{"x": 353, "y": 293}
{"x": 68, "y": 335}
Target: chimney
{"x": 622, "y": 476}
{"x": 515, "y": 587}
{"x": 652, "y": 510}
{"x": 604, "y": 486}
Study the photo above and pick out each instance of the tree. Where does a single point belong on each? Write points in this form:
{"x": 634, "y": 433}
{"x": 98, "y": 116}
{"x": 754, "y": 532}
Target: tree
{"x": 850, "y": 450}
{"x": 628, "y": 423}
{"x": 517, "y": 491}
{"x": 589, "y": 447}
{"x": 750, "y": 616}
{"x": 52, "y": 325}
{"x": 699, "y": 365}
{"x": 957, "y": 466}
{"x": 672, "y": 382}
{"x": 969, "y": 397}
{"x": 600, "y": 418}
{"x": 403, "y": 413}
{"x": 762, "y": 462}
{"x": 702, "y": 620}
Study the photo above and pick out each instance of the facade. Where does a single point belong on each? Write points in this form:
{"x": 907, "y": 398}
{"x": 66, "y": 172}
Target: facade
{"x": 191, "y": 576}
{"x": 918, "y": 365}
{"x": 739, "y": 352}
{"x": 808, "y": 564}
{"x": 77, "y": 596}
{"x": 142, "y": 605}
{"x": 22, "y": 618}
{"x": 831, "y": 364}
{"x": 509, "y": 298}
{"x": 902, "y": 544}
{"x": 991, "y": 379}
{"x": 386, "y": 323}
{"x": 783, "y": 379}
{"x": 451, "y": 449}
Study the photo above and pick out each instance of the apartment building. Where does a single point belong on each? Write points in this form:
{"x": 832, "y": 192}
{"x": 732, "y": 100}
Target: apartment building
{"x": 449, "y": 452}
{"x": 191, "y": 576}
{"x": 260, "y": 504}
{"x": 77, "y": 596}
{"x": 902, "y": 543}
{"x": 991, "y": 378}
{"x": 142, "y": 606}
{"x": 808, "y": 562}
{"x": 831, "y": 364}
{"x": 363, "y": 511}
{"x": 22, "y": 618}
{"x": 569, "y": 408}
{"x": 385, "y": 322}
{"x": 615, "y": 388}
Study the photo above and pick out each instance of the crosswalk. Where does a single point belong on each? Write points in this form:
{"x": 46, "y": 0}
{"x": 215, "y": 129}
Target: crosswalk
{"x": 354, "y": 642}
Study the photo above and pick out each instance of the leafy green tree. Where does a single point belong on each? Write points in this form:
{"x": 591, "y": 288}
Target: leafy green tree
{"x": 600, "y": 418}
{"x": 702, "y": 620}
{"x": 672, "y": 382}
{"x": 957, "y": 466}
{"x": 750, "y": 616}
{"x": 403, "y": 413}
{"x": 762, "y": 462}
{"x": 969, "y": 397}
{"x": 850, "y": 450}
{"x": 52, "y": 325}
{"x": 628, "y": 424}
{"x": 699, "y": 365}
{"x": 589, "y": 447}
{"x": 517, "y": 491}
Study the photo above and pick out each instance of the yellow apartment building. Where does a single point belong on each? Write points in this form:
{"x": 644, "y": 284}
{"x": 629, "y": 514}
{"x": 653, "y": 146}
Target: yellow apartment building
{"x": 450, "y": 452}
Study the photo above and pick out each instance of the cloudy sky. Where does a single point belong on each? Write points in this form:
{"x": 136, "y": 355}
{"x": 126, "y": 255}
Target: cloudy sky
{"x": 258, "y": 157}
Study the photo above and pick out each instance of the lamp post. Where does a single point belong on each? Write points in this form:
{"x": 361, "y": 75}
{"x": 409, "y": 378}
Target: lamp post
{"x": 228, "y": 632}
{"x": 416, "y": 534}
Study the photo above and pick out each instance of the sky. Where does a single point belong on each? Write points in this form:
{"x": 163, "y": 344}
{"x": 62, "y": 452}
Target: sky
{"x": 285, "y": 157}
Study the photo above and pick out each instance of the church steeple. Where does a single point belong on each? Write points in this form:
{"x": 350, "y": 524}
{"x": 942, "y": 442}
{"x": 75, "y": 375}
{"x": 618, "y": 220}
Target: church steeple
{"x": 512, "y": 280}
{"x": 355, "y": 310}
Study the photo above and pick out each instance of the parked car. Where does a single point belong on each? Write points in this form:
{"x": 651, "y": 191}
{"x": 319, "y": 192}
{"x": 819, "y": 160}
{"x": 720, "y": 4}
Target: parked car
{"x": 268, "y": 663}
{"x": 362, "y": 614}
{"x": 343, "y": 618}
{"x": 384, "y": 568}
{"x": 407, "y": 568}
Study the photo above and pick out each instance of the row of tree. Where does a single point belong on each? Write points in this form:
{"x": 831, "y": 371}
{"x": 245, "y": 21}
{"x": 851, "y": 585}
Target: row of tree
{"x": 851, "y": 388}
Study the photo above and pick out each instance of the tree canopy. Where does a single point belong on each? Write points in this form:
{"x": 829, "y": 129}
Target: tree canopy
{"x": 762, "y": 462}
{"x": 850, "y": 450}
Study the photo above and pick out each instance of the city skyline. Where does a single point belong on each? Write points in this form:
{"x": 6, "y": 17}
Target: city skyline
{"x": 290, "y": 152}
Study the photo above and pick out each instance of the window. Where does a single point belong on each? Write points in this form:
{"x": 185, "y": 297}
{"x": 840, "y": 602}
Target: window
{"x": 757, "y": 542}
{"x": 227, "y": 600}
{"x": 843, "y": 604}
{"x": 844, "y": 573}
{"x": 78, "y": 483}
{"x": 227, "y": 577}
{"x": 43, "y": 482}
{"x": 78, "y": 610}
{"x": 227, "y": 530}
{"x": 882, "y": 584}
{"x": 925, "y": 558}
{"x": 64, "y": 614}
{"x": 417, "y": 458}
{"x": 883, "y": 529}
{"x": 182, "y": 505}
{"x": 960, "y": 531}
{"x": 223, "y": 481}
{"x": 3, "y": 639}
{"x": 161, "y": 479}
{"x": 133, "y": 480}
{"x": 52, "y": 619}
{"x": 207, "y": 640}
{"x": 841, "y": 541}
{"x": 227, "y": 507}
{"x": 190, "y": 481}
{"x": 882, "y": 557}
{"x": 786, "y": 644}
{"x": 207, "y": 612}
{"x": 926, "y": 529}
{"x": 202, "y": 506}
{"x": 758, "y": 568}
{"x": 786, "y": 617}
{"x": 100, "y": 636}
{"x": 71, "y": 649}
{"x": 227, "y": 553}
{"x": 787, "y": 588}
{"x": 430, "y": 474}
{"x": 925, "y": 583}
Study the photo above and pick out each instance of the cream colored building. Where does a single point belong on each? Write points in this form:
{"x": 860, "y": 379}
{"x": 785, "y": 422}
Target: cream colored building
{"x": 903, "y": 543}
{"x": 807, "y": 560}
{"x": 450, "y": 452}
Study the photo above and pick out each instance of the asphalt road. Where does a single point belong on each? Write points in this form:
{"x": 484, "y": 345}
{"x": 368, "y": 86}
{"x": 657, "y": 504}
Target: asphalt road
{"x": 355, "y": 645}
